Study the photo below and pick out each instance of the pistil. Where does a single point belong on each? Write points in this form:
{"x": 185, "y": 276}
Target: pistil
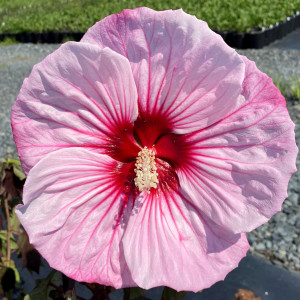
{"x": 146, "y": 175}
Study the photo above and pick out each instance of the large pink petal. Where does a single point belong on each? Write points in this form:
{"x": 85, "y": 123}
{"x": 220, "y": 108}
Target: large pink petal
{"x": 78, "y": 96}
{"x": 183, "y": 71}
{"x": 74, "y": 213}
{"x": 237, "y": 170}
{"x": 169, "y": 242}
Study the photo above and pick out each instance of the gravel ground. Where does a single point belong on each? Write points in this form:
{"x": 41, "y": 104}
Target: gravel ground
{"x": 16, "y": 62}
{"x": 279, "y": 239}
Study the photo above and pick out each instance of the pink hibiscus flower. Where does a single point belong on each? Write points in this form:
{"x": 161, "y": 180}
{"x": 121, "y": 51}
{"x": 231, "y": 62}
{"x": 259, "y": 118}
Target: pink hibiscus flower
{"x": 151, "y": 147}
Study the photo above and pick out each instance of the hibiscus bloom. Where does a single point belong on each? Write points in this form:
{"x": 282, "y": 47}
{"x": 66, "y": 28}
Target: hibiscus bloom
{"x": 150, "y": 147}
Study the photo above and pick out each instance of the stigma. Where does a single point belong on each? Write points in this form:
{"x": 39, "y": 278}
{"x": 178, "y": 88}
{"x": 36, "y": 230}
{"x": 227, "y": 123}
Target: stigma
{"x": 146, "y": 175}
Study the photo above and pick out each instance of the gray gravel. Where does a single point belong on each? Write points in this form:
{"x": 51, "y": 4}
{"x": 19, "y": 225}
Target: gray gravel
{"x": 276, "y": 62}
{"x": 16, "y": 62}
{"x": 279, "y": 239}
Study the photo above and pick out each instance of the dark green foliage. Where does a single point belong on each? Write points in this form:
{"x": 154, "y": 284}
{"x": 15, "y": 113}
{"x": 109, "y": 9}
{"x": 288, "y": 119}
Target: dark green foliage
{"x": 78, "y": 15}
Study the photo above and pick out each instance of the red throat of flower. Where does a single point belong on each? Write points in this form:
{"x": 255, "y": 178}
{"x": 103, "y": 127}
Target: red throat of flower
{"x": 153, "y": 152}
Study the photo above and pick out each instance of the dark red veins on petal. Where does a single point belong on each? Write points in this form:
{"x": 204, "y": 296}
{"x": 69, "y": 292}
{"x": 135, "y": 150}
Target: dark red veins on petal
{"x": 168, "y": 179}
{"x": 124, "y": 177}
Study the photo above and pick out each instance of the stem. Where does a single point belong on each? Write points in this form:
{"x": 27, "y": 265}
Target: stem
{"x": 8, "y": 229}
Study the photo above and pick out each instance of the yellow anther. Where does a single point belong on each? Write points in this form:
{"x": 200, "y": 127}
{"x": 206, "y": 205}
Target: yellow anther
{"x": 146, "y": 175}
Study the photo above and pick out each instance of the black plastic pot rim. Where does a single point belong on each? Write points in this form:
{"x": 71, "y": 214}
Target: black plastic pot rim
{"x": 255, "y": 39}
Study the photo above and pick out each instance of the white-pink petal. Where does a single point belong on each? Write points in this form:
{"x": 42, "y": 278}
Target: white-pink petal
{"x": 171, "y": 243}
{"x": 239, "y": 168}
{"x": 74, "y": 215}
{"x": 76, "y": 97}
{"x": 182, "y": 69}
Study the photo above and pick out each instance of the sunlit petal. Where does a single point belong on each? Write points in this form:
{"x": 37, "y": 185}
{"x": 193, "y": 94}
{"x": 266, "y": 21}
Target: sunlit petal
{"x": 169, "y": 242}
{"x": 74, "y": 212}
{"x": 77, "y": 97}
{"x": 182, "y": 69}
{"x": 237, "y": 170}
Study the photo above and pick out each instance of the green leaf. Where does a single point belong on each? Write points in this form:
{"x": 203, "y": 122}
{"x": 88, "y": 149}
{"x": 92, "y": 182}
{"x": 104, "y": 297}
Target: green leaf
{"x": 19, "y": 172}
{"x": 14, "y": 221}
{"x": 136, "y": 292}
{"x": 170, "y": 294}
{"x": 42, "y": 289}
{"x": 16, "y": 165}
{"x": 3, "y": 238}
{"x": 13, "y": 161}
{"x": 11, "y": 186}
{"x": 11, "y": 265}
{"x": 3, "y": 234}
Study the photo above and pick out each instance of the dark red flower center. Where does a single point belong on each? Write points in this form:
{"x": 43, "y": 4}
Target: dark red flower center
{"x": 153, "y": 132}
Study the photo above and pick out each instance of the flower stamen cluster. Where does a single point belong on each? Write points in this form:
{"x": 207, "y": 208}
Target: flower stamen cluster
{"x": 146, "y": 175}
